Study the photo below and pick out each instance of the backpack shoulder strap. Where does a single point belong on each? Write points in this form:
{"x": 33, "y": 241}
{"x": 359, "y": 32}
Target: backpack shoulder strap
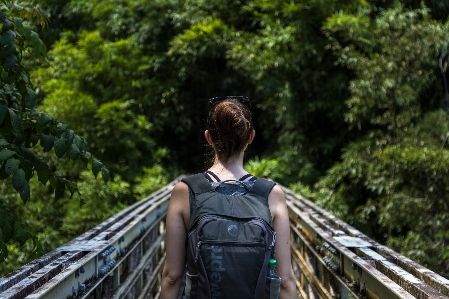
{"x": 198, "y": 183}
{"x": 262, "y": 187}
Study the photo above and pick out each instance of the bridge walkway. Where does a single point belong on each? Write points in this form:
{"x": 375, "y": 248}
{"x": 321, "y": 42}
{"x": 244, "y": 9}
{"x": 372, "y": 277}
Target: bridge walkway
{"x": 123, "y": 258}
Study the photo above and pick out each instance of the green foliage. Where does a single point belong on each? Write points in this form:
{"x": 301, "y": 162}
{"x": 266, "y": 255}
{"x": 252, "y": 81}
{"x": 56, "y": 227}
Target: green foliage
{"x": 11, "y": 230}
{"x": 340, "y": 90}
{"x": 385, "y": 93}
{"x": 81, "y": 87}
{"x": 391, "y": 183}
{"x": 53, "y": 222}
{"x": 273, "y": 51}
{"x": 303, "y": 91}
{"x": 79, "y": 219}
{"x": 152, "y": 179}
{"x": 22, "y": 126}
{"x": 264, "y": 168}
{"x": 394, "y": 193}
{"x": 110, "y": 115}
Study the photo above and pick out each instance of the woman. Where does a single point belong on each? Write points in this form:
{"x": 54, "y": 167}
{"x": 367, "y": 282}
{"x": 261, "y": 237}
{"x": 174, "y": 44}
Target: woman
{"x": 229, "y": 132}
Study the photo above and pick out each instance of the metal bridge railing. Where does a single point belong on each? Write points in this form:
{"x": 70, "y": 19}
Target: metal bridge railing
{"x": 334, "y": 260}
{"x": 123, "y": 258}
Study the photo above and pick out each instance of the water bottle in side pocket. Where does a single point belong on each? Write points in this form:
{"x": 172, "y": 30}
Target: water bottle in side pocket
{"x": 273, "y": 280}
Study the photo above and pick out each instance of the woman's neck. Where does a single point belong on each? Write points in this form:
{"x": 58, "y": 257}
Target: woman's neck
{"x": 231, "y": 169}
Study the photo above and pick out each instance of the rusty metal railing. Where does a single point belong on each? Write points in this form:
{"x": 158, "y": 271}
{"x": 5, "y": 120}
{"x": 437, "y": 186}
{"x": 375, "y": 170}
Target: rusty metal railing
{"x": 119, "y": 258}
{"x": 123, "y": 258}
{"x": 334, "y": 260}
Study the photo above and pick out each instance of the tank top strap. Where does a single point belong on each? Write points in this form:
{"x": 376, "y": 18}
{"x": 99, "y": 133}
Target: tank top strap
{"x": 245, "y": 177}
{"x": 209, "y": 173}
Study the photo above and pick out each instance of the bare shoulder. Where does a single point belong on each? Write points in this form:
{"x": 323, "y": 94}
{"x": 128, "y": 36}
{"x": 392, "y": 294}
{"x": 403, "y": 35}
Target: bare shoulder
{"x": 277, "y": 202}
{"x": 180, "y": 189}
{"x": 179, "y": 203}
{"x": 180, "y": 194}
{"x": 277, "y": 195}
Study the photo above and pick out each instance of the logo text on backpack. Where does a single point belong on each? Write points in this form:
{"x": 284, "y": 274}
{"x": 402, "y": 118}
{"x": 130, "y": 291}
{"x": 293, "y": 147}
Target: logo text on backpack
{"x": 216, "y": 267}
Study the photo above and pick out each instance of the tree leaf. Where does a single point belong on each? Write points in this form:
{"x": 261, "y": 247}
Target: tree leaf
{"x": 5, "y": 154}
{"x": 30, "y": 156}
{"x": 30, "y": 98}
{"x": 25, "y": 77}
{"x": 34, "y": 112}
{"x": 18, "y": 22}
{"x": 18, "y": 179}
{"x": 60, "y": 147}
{"x": 73, "y": 152}
{"x": 3, "y": 174}
{"x": 69, "y": 134}
{"x": 43, "y": 175}
{"x": 52, "y": 180}
{"x": 61, "y": 128}
{"x": 105, "y": 174}
{"x": 3, "y": 142}
{"x": 7, "y": 37}
{"x": 25, "y": 192}
{"x": 10, "y": 61}
{"x": 60, "y": 188}
{"x": 21, "y": 235}
{"x": 38, "y": 46}
{"x": 82, "y": 202}
{"x": 7, "y": 24}
{"x": 85, "y": 156}
{"x": 3, "y": 111}
{"x": 96, "y": 167}
{"x": 11, "y": 165}
{"x": 34, "y": 139}
{"x": 15, "y": 122}
{"x": 27, "y": 166}
{"x": 45, "y": 119}
{"x": 79, "y": 142}
{"x": 10, "y": 49}
{"x": 72, "y": 188}
{"x": 6, "y": 223}
{"x": 47, "y": 142}
{"x": 27, "y": 32}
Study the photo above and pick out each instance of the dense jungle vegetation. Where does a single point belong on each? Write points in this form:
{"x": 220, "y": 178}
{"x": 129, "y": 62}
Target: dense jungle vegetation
{"x": 103, "y": 102}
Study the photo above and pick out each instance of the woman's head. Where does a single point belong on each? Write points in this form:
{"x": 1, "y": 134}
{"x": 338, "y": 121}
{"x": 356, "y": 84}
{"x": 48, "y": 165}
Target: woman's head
{"x": 230, "y": 126}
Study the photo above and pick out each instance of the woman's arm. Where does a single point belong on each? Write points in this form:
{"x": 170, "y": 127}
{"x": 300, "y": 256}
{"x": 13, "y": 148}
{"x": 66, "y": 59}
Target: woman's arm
{"x": 279, "y": 212}
{"x": 176, "y": 230}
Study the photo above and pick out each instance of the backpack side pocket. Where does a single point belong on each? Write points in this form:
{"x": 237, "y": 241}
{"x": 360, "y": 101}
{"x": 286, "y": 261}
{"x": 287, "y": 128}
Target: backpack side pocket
{"x": 273, "y": 287}
{"x": 191, "y": 284}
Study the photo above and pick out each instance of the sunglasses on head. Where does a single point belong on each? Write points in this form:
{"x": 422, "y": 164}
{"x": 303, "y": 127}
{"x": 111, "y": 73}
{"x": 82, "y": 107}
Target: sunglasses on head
{"x": 241, "y": 99}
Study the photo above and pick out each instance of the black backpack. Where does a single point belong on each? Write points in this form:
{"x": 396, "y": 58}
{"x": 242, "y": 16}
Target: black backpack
{"x": 230, "y": 241}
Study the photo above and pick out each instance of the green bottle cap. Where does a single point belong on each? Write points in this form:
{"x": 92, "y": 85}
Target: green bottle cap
{"x": 272, "y": 263}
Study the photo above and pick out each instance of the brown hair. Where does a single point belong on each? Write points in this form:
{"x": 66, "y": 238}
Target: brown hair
{"x": 230, "y": 126}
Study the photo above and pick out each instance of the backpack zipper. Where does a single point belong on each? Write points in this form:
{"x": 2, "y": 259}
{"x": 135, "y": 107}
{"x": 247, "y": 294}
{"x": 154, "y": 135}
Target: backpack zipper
{"x": 196, "y": 225}
{"x": 273, "y": 232}
{"x": 197, "y": 250}
{"x": 198, "y": 245}
{"x": 268, "y": 228}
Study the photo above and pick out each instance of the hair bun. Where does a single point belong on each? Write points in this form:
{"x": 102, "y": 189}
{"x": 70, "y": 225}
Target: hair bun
{"x": 230, "y": 127}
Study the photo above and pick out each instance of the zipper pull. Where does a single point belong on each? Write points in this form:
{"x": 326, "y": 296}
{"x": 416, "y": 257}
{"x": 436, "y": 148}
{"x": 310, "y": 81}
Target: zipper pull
{"x": 273, "y": 242}
{"x": 197, "y": 251}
